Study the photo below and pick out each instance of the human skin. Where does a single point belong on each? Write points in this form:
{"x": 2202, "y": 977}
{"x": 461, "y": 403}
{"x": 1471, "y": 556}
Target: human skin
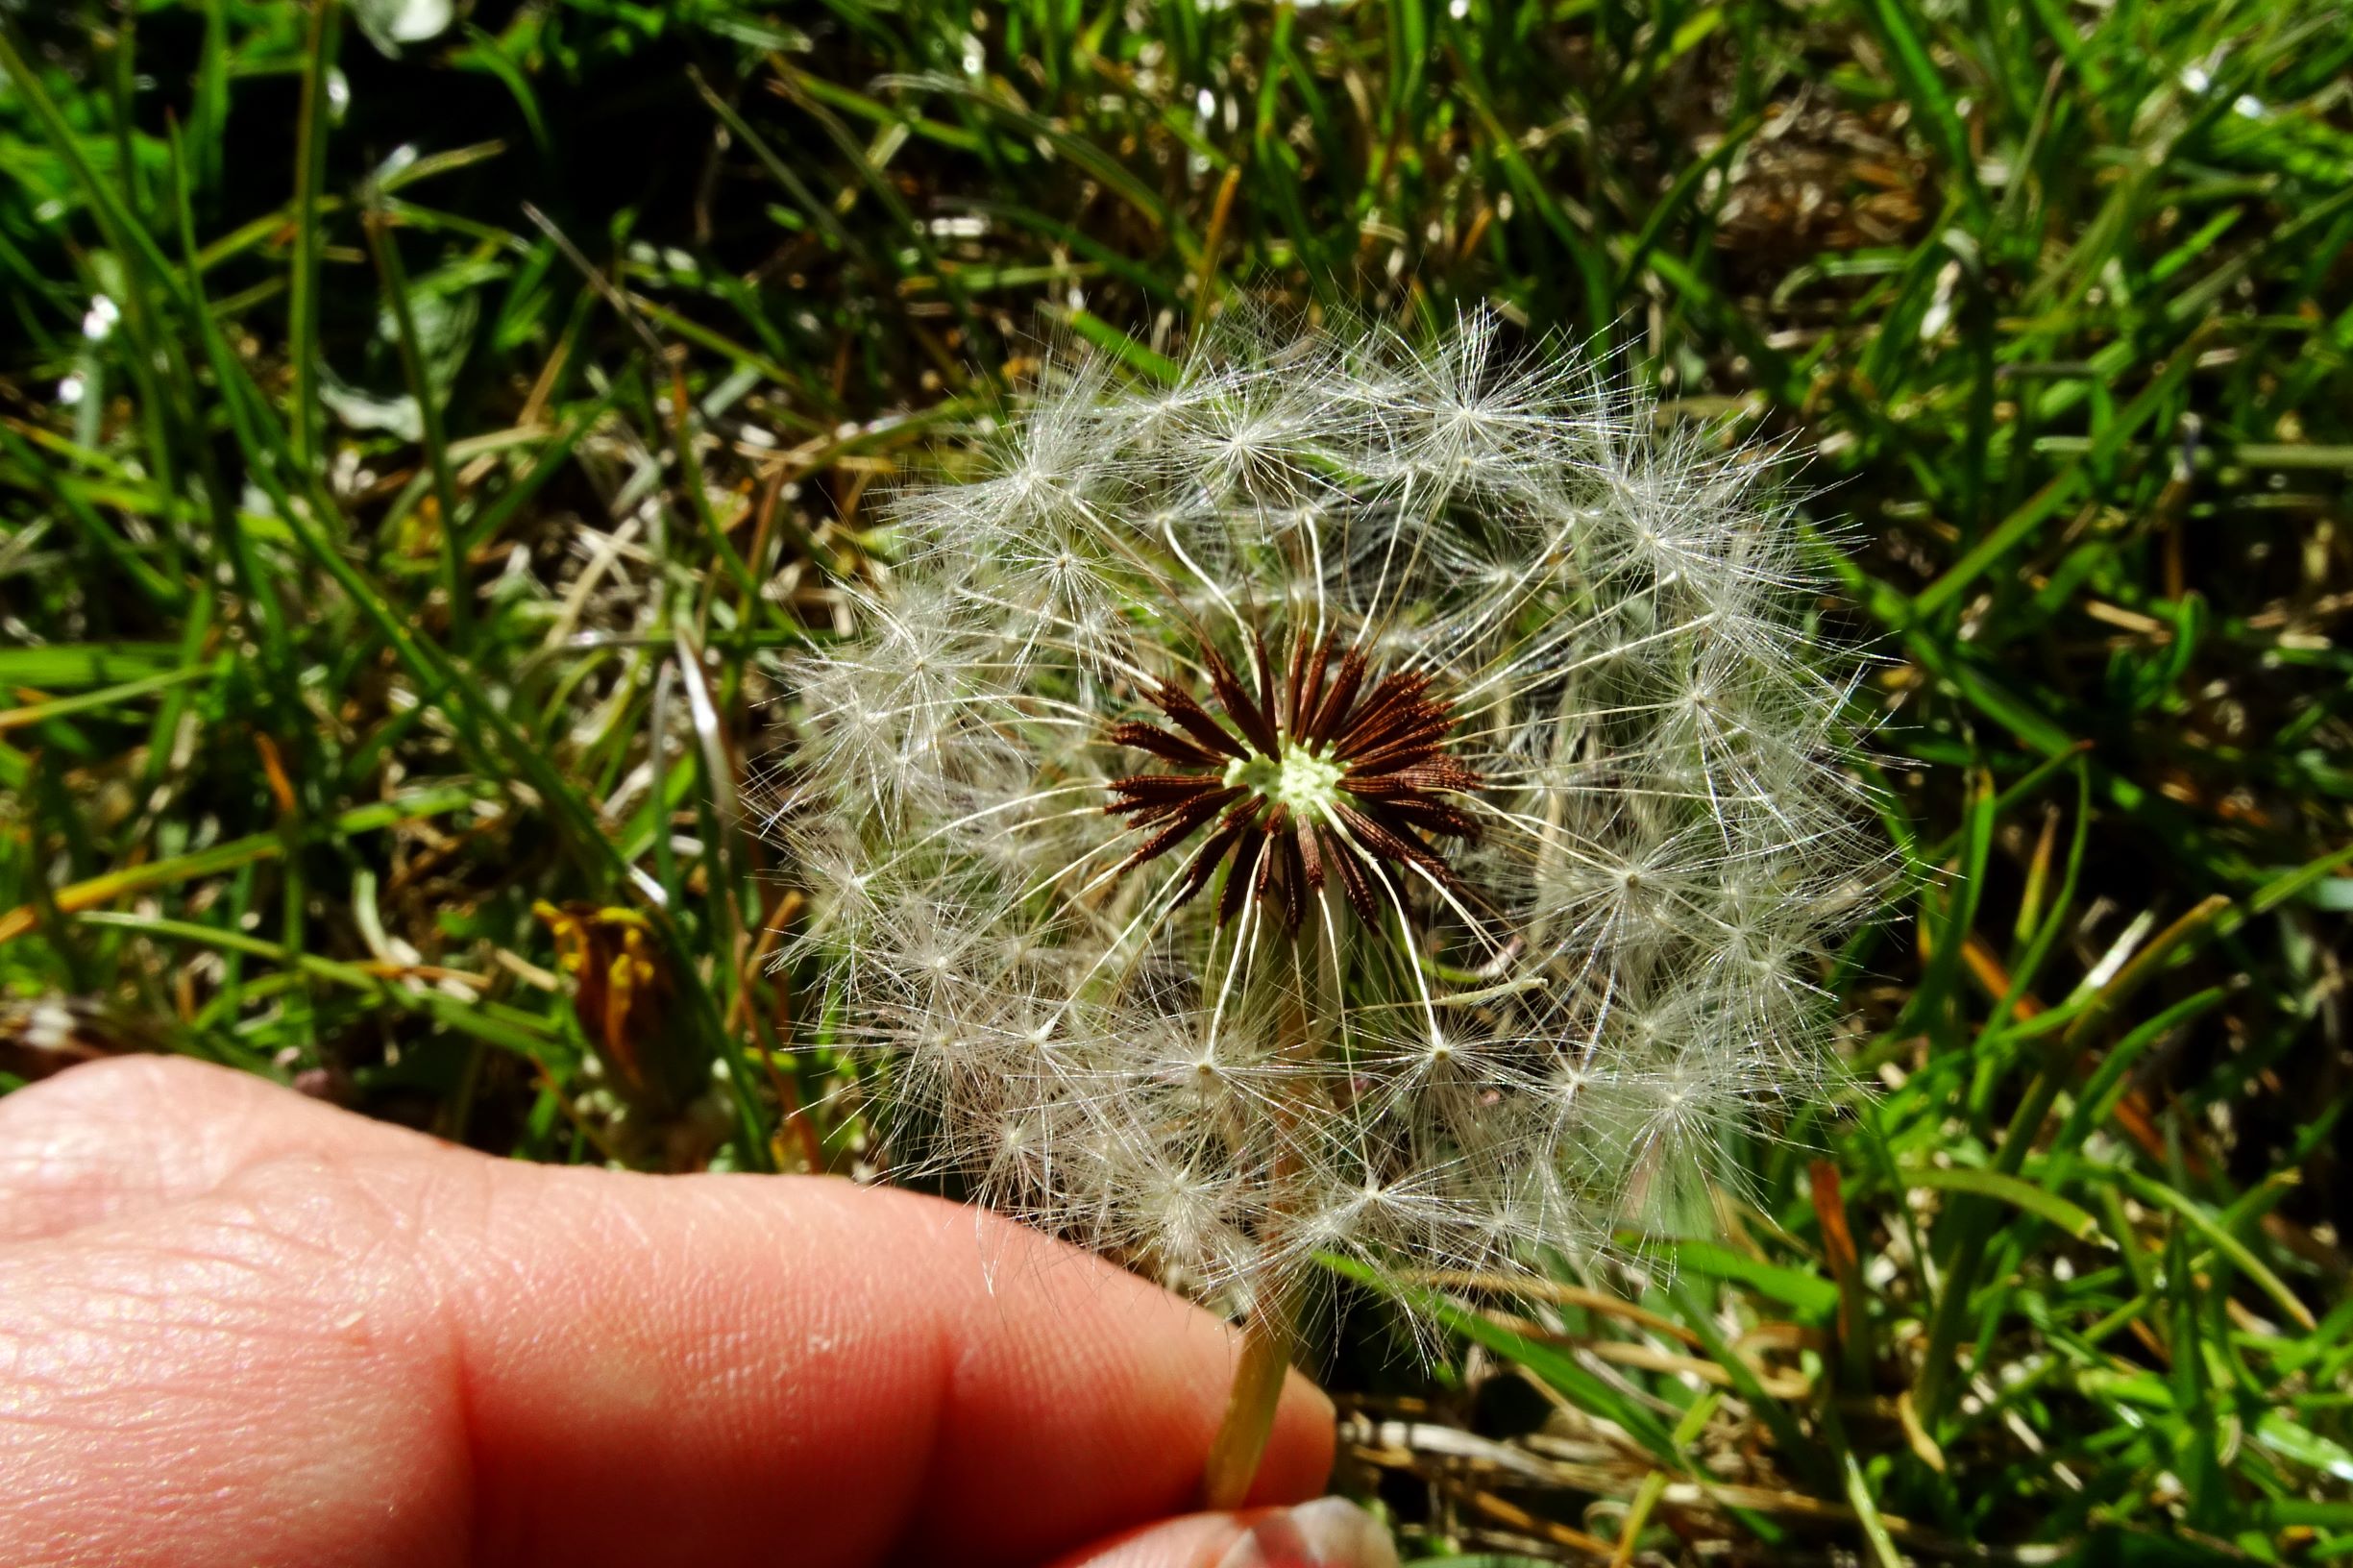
{"x": 237, "y": 1326}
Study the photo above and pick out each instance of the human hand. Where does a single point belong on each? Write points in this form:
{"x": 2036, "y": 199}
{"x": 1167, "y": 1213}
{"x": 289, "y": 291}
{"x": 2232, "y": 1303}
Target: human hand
{"x": 240, "y": 1327}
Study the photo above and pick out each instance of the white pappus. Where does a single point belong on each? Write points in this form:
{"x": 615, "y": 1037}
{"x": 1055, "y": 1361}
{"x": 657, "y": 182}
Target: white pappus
{"x": 1359, "y": 797}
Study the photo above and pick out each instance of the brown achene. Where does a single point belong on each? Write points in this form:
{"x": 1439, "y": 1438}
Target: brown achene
{"x": 1323, "y": 772}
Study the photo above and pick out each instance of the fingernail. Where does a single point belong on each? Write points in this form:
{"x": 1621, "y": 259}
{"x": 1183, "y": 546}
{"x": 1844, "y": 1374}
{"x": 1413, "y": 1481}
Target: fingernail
{"x": 1329, "y": 1532}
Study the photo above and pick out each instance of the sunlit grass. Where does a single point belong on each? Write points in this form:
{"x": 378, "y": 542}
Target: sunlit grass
{"x": 349, "y": 730}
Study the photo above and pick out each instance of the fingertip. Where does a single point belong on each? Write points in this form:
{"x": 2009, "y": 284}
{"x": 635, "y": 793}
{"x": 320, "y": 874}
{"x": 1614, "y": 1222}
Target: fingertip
{"x": 1327, "y": 1533}
{"x": 1196, "y": 1541}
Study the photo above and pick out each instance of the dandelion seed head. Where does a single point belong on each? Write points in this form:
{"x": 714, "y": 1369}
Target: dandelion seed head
{"x": 1360, "y": 795}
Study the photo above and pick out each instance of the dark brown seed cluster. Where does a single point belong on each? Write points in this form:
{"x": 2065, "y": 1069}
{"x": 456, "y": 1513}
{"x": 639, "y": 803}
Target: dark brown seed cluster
{"x": 1320, "y": 773}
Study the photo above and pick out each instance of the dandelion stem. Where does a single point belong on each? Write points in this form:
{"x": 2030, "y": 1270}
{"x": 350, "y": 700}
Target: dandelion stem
{"x": 1250, "y": 1408}
{"x": 1268, "y": 1330}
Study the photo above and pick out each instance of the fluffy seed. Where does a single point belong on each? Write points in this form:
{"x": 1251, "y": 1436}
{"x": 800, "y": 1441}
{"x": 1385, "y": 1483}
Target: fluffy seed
{"x": 1354, "y": 798}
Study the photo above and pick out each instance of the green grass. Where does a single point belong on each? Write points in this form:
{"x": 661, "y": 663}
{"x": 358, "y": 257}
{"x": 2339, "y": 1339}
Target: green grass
{"x": 394, "y": 586}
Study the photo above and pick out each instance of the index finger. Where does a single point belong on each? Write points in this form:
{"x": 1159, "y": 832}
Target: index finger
{"x": 870, "y": 1373}
{"x": 583, "y": 1366}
